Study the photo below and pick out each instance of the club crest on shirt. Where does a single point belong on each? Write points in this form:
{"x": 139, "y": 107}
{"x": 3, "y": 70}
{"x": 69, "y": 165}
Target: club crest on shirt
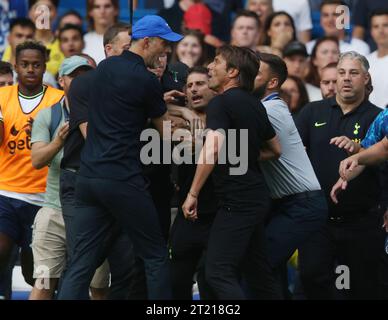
{"x": 356, "y": 128}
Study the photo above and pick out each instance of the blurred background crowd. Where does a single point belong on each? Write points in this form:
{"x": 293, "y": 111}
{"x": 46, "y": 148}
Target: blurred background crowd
{"x": 308, "y": 34}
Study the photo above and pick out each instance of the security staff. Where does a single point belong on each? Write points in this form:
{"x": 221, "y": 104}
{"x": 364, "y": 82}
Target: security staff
{"x": 351, "y": 236}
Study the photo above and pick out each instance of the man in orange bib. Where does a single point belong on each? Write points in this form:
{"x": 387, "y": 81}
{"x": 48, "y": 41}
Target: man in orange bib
{"x": 22, "y": 186}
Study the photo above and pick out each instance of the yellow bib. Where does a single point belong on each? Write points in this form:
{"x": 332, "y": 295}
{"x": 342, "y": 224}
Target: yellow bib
{"x": 16, "y": 171}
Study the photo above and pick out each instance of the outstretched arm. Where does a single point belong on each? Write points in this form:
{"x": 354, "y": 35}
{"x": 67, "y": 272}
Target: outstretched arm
{"x": 373, "y": 155}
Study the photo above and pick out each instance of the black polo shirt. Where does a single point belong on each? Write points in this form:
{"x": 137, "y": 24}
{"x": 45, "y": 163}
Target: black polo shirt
{"x": 123, "y": 96}
{"x": 320, "y": 121}
{"x": 78, "y": 96}
{"x": 207, "y": 203}
{"x": 236, "y": 109}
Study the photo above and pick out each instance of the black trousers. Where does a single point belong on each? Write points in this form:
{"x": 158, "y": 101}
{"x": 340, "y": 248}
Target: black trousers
{"x": 127, "y": 273}
{"x": 354, "y": 242}
{"x": 292, "y": 222}
{"x": 234, "y": 236}
{"x": 161, "y": 192}
{"x": 187, "y": 248}
{"x": 6, "y": 276}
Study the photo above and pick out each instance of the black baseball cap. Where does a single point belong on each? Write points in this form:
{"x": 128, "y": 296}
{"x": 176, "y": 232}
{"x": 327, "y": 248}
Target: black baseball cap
{"x": 293, "y": 48}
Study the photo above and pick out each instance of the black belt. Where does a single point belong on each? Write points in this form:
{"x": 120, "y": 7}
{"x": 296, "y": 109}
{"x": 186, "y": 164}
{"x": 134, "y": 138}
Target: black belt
{"x": 302, "y": 195}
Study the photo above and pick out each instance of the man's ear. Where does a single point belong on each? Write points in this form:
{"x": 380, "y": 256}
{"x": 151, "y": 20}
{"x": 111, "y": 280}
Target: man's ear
{"x": 146, "y": 42}
{"x": 367, "y": 78}
{"x": 233, "y": 73}
{"x": 273, "y": 83}
{"x": 61, "y": 82}
{"x": 107, "y": 49}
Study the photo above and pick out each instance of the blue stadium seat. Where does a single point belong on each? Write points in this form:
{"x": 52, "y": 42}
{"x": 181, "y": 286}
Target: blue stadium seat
{"x": 317, "y": 30}
{"x": 80, "y": 6}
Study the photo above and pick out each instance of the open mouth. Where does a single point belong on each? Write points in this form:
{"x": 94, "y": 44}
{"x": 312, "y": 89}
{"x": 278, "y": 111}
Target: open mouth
{"x": 196, "y": 99}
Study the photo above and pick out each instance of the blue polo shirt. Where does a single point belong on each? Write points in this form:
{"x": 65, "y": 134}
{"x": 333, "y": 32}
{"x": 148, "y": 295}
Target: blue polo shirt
{"x": 377, "y": 130}
{"x": 123, "y": 95}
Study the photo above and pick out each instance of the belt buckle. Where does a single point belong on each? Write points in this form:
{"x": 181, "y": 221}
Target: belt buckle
{"x": 336, "y": 219}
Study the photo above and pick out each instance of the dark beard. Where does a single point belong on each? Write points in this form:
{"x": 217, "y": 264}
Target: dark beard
{"x": 260, "y": 91}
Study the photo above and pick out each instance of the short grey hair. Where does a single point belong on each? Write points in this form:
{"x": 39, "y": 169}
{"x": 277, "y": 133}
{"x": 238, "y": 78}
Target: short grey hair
{"x": 355, "y": 56}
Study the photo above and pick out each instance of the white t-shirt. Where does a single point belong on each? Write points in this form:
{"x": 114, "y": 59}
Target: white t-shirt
{"x": 168, "y": 3}
{"x": 313, "y": 92}
{"x": 36, "y": 199}
{"x": 30, "y": 103}
{"x": 378, "y": 71}
{"x": 94, "y": 46}
{"x": 4, "y": 22}
{"x": 299, "y": 10}
{"x": 354, "y": 45}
